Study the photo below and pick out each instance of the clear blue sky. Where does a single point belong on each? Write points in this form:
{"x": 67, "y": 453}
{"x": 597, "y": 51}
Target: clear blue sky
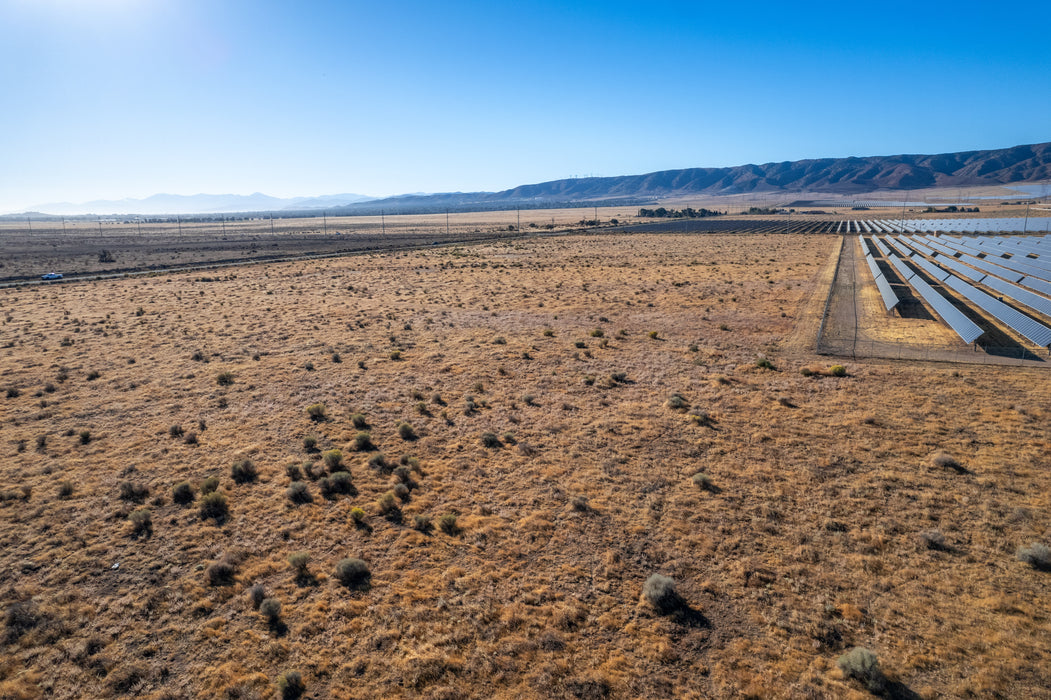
{"x": 128, "y": 98}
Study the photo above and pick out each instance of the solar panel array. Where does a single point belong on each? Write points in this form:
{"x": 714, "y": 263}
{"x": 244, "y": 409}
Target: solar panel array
{"x": 890, "y": 299}
{"x": 1031, "y": 329}
{"x": 964, "y": 327}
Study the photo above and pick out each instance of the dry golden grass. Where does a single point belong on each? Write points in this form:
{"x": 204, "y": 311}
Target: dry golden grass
{"x": 809, "y": 541}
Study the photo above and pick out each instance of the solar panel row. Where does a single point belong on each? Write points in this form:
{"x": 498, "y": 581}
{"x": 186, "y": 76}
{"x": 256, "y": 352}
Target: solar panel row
{"x": 1016, "y": 320}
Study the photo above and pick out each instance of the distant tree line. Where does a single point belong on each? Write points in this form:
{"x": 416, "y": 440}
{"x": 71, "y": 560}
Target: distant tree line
{"x": 687, "y": 213}
{"x": 951, "y": 209}
{"x": 765, "y": 210}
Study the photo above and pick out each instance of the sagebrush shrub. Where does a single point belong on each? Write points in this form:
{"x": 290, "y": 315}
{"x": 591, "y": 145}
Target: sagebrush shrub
{"x": 290, "y": 685}
{"x": 861, "y": 664}
{"x": 363, "y": 442}
{"x": 333, "y": 459}
{"x": 141, "y": 522}
{"x": 406, "y": 431}
{"x": 1037, "y": 555}
{"x": 182, "y": 493}
{"x": 209, "y": 485}
{"x": 447, "y": 524}
{"x": 298, "y": 492}
{"x": 659, "y": 591}
{"x": 353, "y": 573}
{"x": 317, "y": 412}
{"x": 244, "y": 471}
{"x": 214, "y": 506}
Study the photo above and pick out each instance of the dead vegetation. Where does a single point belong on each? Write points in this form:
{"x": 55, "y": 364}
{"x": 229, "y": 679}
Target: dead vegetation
{"x": 498, "y": 541}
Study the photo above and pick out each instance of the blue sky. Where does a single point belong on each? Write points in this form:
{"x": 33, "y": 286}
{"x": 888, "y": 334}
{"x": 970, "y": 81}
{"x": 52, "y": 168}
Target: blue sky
{"x": 128, "y": 98}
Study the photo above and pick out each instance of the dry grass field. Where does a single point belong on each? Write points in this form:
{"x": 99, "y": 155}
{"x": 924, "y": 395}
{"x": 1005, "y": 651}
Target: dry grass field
{"x": 523, "y": 424}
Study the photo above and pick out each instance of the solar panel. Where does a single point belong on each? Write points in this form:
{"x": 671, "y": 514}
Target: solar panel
{"x": 953, "y": 317}
{"x": 876, "y": 272}
{"x": 1037, "y": 284}
{"x": 882, "y": 248}
{"x": 960, "y": 268}
{"x": 890, "y": 299}
{"x": 1016, "y": 263}
{"x": 896, "y": 245}
{"x": 991, "y": 268}
{"x": 931, "y": 269}
{"x": 1016, "y": 320}
{"x": 902, "y": 268}
{"x": 1033, "y": 301}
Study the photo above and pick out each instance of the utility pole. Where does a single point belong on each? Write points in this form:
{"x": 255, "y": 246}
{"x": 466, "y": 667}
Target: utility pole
{"x": 178, "y": 220}
{"x": 271, "y": 223}
{"x": 138, "y": 222}
{"x": 63, "y": 225}
{"x": 383, "y": 224}
{"x": 100, "y": 226}
{"x": 224, "y": 226}
{"x": 324, "y": 217}
{"x": 518, "y": 214}
{"x": 446, "y": 222}
{"x": 1025, "y": 226}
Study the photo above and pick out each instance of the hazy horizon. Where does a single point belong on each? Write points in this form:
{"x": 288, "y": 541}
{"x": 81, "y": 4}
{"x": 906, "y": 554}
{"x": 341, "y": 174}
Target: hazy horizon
{"x": 125, "y": 99}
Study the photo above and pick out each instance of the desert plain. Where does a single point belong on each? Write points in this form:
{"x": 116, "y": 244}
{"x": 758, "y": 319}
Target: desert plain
{"x": 532, "y": 428}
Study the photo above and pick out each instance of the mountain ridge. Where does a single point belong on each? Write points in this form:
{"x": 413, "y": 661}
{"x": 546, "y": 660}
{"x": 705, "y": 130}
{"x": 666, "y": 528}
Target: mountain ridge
{"x": 843, "y": 176}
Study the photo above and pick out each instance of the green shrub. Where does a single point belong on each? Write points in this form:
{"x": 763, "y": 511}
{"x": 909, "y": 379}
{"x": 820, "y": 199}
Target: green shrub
{"x": 677, "y": 402}
{"x": 209, "y": 485}
{"x": 406, "y": 431}
{"x": 357, "y": 515}
{"x": 764, "y": 363}
{"x": 256, "y": 596}
{"x": 806, "y": 372}
{"x": 141, "y": 522}
{"x": 659, "y": 591}
{"x": 182, "y": 493}
{"x": 310, "y": 443}
{"x": 270, "y": 609}
{"x": 379, "y": 461}
{"x": 221, "y": 572}
{"x": 597, "y": 333}
{"x": 336, "y": 484}
{"x": 703, "y": 481}
{"x": 175, "y": 431}
{"x": 421, "y": 523}
{"x": 333, "y": 459}
{"x": 491, "y": 441}
{"x": 401, "y": 491}
{"x": 1037, "y": 555}
{"x": 136, "y": 493}
{"x": 85, "y": 437}
{"x": 654, "y": 335}
{"x": 395, "y": 355}
{"x": 838, "y": 371}
{"x": 353, "y": 573}
{"x": 316, "y": 411}
{"x": 359, "y": 421}
{"x": 298, "y": 492}
{"x": 290, "y": 685}
{"x": 299, "y": 561}
{"x": 387, "y": 504}
{"x": 861, "y": 664}
{"x": 447, "y": 524}
{"x": 214, "y": 506}
{"x": 65, "y": 489}
{"x": 549, "y": 333}
{"x": 244, "y": 471}
{"x": 225, "y": 379}
{"x": 363, "y": 442}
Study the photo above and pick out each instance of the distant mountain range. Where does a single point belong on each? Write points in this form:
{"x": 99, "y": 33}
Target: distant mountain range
{"x": 159, "y": 204}
{"x": 843, "y": 176}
